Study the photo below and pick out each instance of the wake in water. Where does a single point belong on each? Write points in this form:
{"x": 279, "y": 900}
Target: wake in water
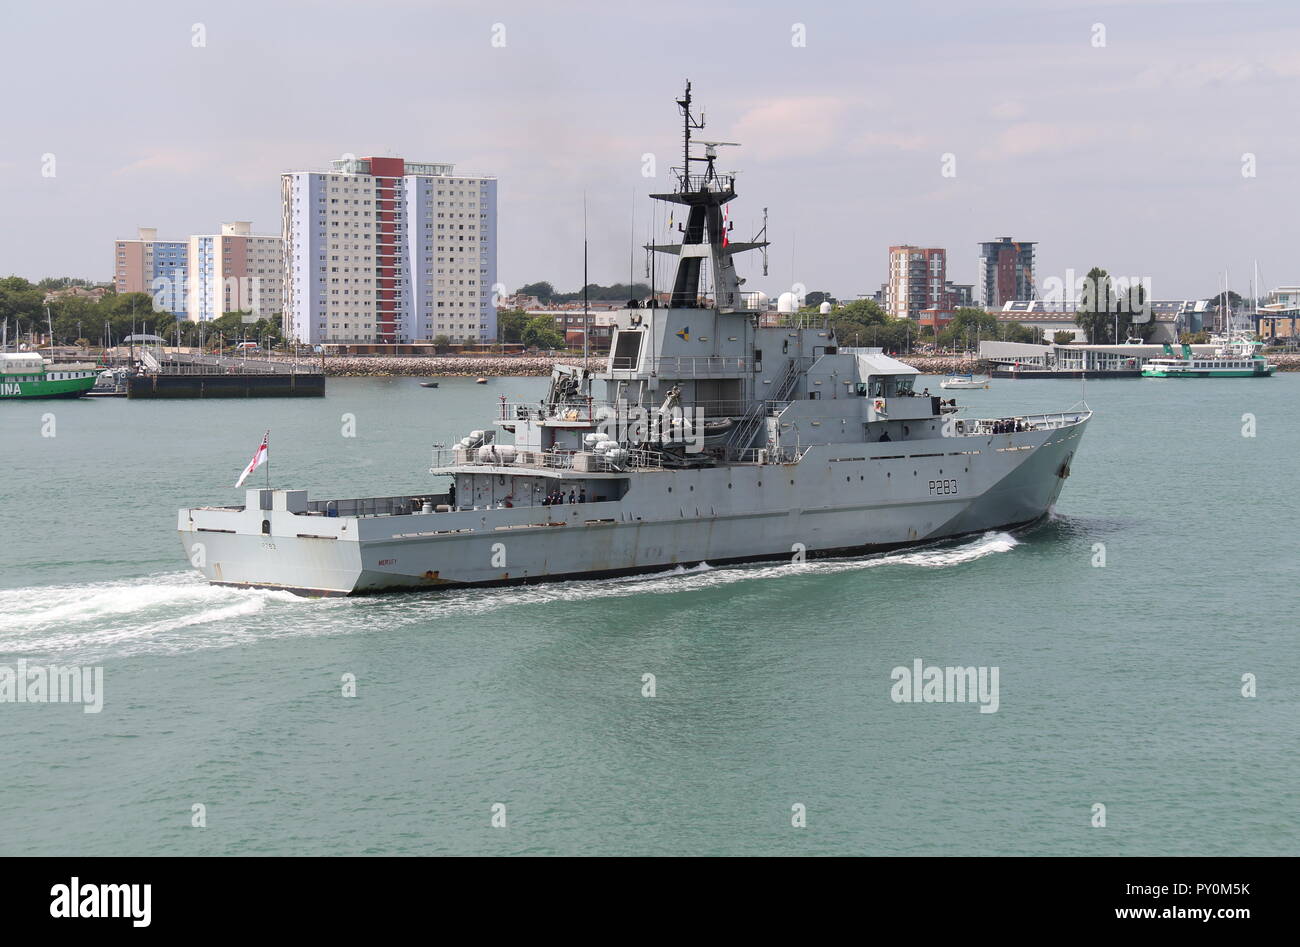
{"x": 179, "y": 612}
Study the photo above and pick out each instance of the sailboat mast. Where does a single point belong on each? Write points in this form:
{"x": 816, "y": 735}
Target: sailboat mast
{"x": 586, "y": 318}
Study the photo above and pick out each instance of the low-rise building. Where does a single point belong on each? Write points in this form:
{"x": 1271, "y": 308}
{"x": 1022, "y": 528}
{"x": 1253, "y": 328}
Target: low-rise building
{"x": 1279, "y": 318}
{"x": 1173, "y": 317}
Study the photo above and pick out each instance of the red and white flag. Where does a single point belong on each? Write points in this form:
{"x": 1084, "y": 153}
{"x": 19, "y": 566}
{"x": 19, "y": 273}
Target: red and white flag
{"x": 259, "y": 458}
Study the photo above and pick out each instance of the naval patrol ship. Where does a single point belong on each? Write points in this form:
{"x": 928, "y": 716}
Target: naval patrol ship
{"x": 710, "y": 436}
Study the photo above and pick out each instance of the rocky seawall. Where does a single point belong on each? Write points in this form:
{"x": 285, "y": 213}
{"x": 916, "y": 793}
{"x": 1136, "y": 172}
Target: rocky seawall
{"x": 499, "y": 366}
{"x": 448, "y": 366}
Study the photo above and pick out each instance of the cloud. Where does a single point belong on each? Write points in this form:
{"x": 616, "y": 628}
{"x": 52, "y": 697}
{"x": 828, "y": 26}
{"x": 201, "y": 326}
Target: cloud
{"x": 167, "y": 161}
{"x": 1007, "y": 110}
{"x": 869, "y": 141}
{"x": 792, "y": 126}
{"x": 1035, "y": 138}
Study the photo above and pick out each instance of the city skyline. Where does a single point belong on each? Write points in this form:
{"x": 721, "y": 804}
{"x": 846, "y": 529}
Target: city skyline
{"x": 1143, "y": 135}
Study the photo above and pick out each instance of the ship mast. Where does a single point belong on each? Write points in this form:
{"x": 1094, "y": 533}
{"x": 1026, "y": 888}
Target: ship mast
{"x": 705, "y": 233}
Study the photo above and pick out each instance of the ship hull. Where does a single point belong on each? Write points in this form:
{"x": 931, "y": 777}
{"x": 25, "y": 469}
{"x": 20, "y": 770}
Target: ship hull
{"x": 1208, "y": 373}
{"x": 839, "y": 500}
{"x": 46, "y": 390}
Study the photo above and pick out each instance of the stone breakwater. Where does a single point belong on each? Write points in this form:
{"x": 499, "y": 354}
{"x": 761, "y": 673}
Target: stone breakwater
{"x": 490, "y": 366}
{"x": 498, "y": 366}
{"x": 448, "y": 367}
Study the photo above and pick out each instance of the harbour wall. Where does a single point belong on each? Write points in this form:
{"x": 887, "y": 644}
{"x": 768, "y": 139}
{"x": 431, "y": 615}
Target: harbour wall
{"x": 267, "y": 385}
{"x": 499, "y": 366}
{"x": 474, "y": 367}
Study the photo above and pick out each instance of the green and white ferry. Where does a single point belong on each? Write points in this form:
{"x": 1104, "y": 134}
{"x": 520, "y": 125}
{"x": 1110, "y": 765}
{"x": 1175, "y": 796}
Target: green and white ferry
{"x": 29, "y": 375}
{"x": 1235, "y": 357}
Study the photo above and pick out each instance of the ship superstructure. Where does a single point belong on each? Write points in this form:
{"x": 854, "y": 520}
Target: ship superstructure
{"x": 707, "y": 436}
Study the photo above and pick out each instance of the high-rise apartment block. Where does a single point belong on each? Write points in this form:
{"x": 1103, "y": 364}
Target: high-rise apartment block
{"x": 235, "y": 271}
{"x": 385, "y": 250}
{"x": 1007, "y": 271}
{"x": 918, "y": 278}
{"x": 149, "y": 265}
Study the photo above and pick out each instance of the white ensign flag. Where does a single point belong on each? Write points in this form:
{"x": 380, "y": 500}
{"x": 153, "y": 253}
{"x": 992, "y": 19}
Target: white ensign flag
{"x": 259, "y": 458}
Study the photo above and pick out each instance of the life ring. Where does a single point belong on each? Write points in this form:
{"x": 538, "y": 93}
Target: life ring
{"x": 880, "y": 405}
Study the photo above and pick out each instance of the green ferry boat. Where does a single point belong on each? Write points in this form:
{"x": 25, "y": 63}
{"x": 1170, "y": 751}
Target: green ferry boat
{"x": 1234, "y": 358}
{"x": 28, "y": 375}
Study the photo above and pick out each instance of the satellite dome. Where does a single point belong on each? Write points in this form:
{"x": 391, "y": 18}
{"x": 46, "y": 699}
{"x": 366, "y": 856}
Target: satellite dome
{"x": 824, "y": 308}
{"x": 787, "y": 302}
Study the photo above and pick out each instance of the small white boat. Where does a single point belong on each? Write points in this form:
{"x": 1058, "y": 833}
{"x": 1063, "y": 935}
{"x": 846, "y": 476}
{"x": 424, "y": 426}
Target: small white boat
{"x": 963, "y": 381}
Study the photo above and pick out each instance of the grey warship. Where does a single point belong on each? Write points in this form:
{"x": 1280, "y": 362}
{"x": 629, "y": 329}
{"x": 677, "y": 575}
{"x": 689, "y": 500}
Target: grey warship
{"x": 709, "y": 436}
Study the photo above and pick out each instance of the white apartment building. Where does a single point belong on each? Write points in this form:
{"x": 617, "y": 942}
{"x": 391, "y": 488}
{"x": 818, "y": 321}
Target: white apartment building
{"x": 235, "y": 271}
{"x": 384, "y": 250}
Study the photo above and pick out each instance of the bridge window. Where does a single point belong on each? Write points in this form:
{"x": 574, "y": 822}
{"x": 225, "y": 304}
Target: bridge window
{"x": 627, "y": 350}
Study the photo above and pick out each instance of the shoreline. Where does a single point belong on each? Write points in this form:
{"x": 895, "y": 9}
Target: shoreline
{"x": 366, "y": 366}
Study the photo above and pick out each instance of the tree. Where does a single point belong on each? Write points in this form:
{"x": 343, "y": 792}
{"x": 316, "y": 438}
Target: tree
{"x": 621, "y": 292}
{"x": 543, "y": 291}
{"x": 440, "y": 342}
{"x": 854, "y": 321}
{"x": 865, "y": 312}
{"x": 968, "y": 324}
{"x": 1105, "y": 311}
{"x": 540, "y": 332}
{"x": 510, "y": 325}
{"x": 1064, "y": 337}
{"x": 1015, "y": 332}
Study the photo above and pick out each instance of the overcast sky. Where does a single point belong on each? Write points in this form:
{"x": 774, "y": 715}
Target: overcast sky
{"x": 1127, "y": 155}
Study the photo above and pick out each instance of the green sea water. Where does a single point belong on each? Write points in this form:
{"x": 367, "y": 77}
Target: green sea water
{"x": 1119, "y": 684}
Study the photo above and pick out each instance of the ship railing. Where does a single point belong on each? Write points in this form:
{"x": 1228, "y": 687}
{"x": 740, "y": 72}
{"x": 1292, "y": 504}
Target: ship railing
{"x": 688, "y": 366}
{"x": 374, "y": 506}
{"x": 640, "y": 459}
{"x": 596, "y": 412}
{"x": 689, "y": 183}
{"x": 981, "y": 427}
{"x": 540, "y": 411}
{"x": 765, "y": 455}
